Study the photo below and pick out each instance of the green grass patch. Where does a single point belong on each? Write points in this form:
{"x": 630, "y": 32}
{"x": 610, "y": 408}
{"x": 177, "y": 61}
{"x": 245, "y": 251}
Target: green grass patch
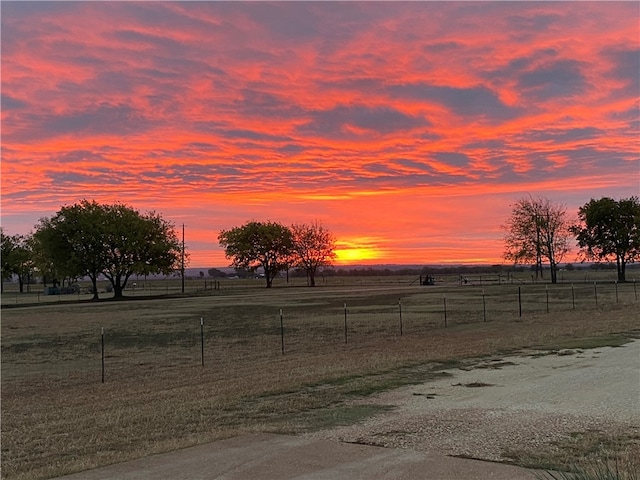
{"x": 368, "y": 385}
{"x": 587, "y": 343}
{"x": 340, "y": 415}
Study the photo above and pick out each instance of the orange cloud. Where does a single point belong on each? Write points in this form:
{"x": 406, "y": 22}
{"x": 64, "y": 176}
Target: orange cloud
{"x": 412, "y": 125}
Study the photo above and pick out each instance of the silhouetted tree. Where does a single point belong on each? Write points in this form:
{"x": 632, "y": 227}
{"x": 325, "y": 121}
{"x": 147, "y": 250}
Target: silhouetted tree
{"x": 136, "y": 243}
{"x": 258, "y": 244}
{"x": 89, "y": 239}
{"x": 17, "y": 258}
{"x": 71, "y": 243}
{"x": 537, "y": 230}
{"x": 609, "y": 230}
{"x": 8, "y": 246}
{"x": 313, "y": 247}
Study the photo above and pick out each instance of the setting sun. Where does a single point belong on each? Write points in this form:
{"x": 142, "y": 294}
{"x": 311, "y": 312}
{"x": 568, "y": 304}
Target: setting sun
{"x": 357, "y": 251}
{"x": 351, "y": 255}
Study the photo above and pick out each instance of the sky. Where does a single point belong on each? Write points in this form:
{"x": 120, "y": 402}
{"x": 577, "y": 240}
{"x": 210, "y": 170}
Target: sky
{"x": 407, "y": 129}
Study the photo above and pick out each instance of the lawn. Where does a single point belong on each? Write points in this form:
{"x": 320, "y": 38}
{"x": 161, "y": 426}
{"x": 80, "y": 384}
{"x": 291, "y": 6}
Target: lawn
{"x": 59, "y": 417}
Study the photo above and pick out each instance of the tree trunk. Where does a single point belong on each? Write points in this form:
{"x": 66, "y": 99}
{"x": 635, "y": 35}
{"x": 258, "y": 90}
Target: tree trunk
{"x": 622, "y": 277}
{"x": 117, "y": 288}
{"x": 312, "y": 279}
{"x": 554, "y": 273}
{"x": 553, "y": 267}
{"x": 94, "y": 283}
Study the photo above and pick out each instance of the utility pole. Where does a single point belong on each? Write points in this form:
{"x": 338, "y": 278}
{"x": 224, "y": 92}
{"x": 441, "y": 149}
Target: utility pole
{"x": 182, "y": 258}
{"x": 538, "y": 249}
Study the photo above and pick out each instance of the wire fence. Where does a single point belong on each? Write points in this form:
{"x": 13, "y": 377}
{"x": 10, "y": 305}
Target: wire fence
{"x": 256, "y": 330}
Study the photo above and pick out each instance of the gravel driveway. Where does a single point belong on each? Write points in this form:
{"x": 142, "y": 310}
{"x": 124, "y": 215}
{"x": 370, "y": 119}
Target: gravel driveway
{"x": 519, "y": 403}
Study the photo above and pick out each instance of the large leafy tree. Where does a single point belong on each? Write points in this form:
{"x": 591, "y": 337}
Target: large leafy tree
{"x": 314, "y": 247}
{"x": 609, "y": 230}
{"x": 537, "y": 231}
{"x": 8, "y": 245}
{"x": 71, "y": 243}
{"x": 258, "y": 244}
{"x": 137, "y": 243}
{"x": 16, "y": 258}
{"x": 42, "y": 259}
{"x": 117, "y": 241}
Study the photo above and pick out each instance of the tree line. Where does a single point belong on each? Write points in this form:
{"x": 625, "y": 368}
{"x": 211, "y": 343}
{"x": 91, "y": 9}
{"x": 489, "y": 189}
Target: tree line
{"x": 89, "y": 239}
{"x": 540, "y": 230}
{"x": 116, "y": 241}
{"x": 537, "y": 231}
{"x": 275, "y": 248}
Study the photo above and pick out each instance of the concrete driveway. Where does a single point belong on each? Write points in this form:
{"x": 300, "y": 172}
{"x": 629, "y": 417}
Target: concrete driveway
{"x": 280, "y": 457}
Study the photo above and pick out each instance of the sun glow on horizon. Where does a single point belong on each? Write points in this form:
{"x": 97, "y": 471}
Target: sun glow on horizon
{"x": 358, "y": 250}
{"x": 345, "y": 256}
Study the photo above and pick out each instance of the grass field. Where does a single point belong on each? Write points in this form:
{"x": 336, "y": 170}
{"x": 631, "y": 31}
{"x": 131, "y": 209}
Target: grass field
{"x": 140, "y": 287}
{"x": 58, "y": 416}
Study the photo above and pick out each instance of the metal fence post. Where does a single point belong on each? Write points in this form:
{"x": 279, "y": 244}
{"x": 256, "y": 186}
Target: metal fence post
{"x": 520, "y": 301}
{"x": 102, "y": 350}
{"x": 484, "y": 308}
{"x": 546, "y": 288}
{"x": 444, "y": 300}
{"x": 202, "y": 340}
{"x": 281, "y": 332}
{"x": 345, "y": 323}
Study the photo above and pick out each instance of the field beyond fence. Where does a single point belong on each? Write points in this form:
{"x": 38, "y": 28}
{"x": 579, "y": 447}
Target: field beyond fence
{"x": 142, "y": 287}
{"x": 89, "y": 383}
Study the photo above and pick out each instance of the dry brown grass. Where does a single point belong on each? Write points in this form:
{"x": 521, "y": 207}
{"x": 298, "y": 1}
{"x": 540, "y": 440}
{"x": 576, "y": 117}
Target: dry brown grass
{"x": 57, "y": 416}
{"x": 587, "y": 455}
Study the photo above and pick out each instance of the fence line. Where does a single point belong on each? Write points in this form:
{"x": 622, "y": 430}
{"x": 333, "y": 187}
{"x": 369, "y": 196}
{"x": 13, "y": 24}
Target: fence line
{"x": 418, "y": 315}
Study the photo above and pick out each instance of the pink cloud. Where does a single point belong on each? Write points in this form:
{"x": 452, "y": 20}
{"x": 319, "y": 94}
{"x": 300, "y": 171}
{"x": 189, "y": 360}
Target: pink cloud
{"x": 364, "y": 115}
